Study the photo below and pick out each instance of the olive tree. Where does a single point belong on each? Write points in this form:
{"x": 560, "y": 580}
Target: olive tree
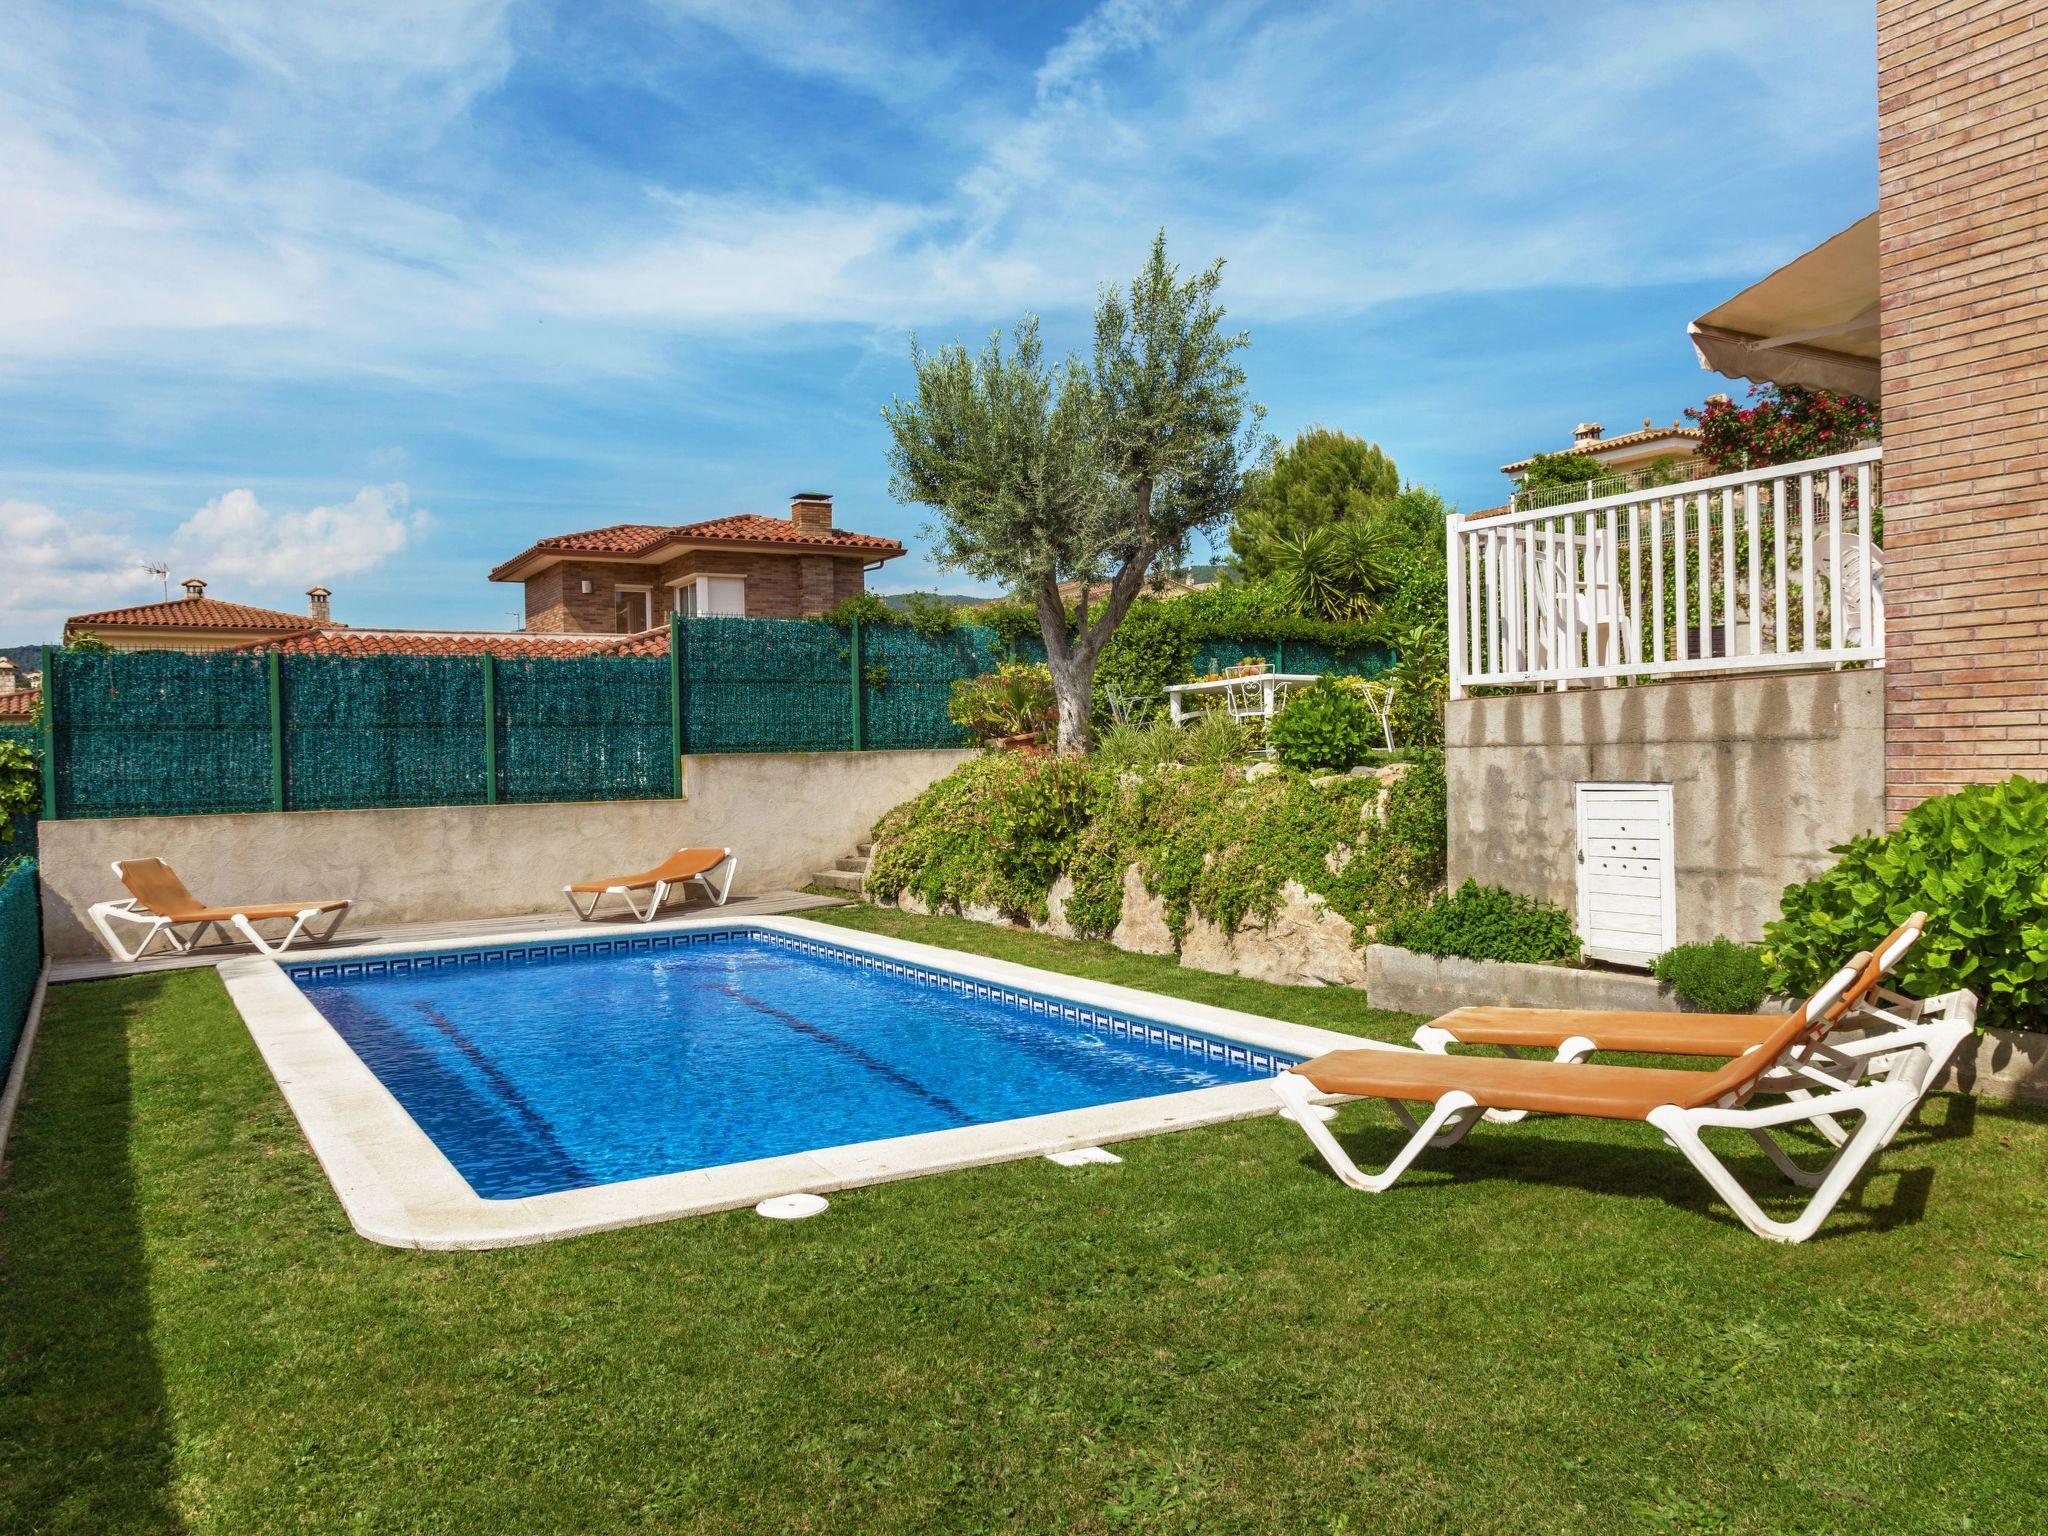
{"x": 1086, "y": 474}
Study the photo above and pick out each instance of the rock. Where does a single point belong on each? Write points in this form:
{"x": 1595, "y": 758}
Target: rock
{"x": 1261, "y": 770}
{"x": 1325, "y": 780}
{"x": 982, "y": 912}
{"x": 1142, "y": 927}
{"x": 1303, "y": 943}
{"x": 913, "y": 904}
{"x": 1056, "y": 922}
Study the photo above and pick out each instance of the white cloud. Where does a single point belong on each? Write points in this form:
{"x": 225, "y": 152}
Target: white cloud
{"x": 235, "y": 537}
{"x": 65, "y": 563}
{"x": 1337, "y": 161}
{"x": 59, "y": 564}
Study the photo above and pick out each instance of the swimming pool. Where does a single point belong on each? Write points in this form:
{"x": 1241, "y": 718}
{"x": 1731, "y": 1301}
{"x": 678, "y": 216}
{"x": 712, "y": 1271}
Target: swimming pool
{"x": 543, "y": 1067}
{"x": 474, "y": 1095}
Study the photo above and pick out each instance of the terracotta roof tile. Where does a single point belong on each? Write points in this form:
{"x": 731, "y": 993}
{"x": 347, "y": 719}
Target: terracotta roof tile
{"x": 21, "y": 702}
{"x": 1593, "y": 447}
{"x": 194, "y": 613}
{"x": 781, "y": 530}
{"x": 619, "y": 539}
{"x": 629, "y": 540}
{"x": 505, "y": 646}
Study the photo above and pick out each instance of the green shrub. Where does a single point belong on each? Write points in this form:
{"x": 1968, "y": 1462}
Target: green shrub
{"x": 1977, "y": 863}
{"x": 21, "y": 785}
{"x": 1014, "y": 700}
{"x": 930, "y": 615}
{"x": 1323, "y": 729}
{"x": 1037, "y": 816}
{"x": 999, "y": 831}
{"x": 1484, "y": 922}
{"x": 1721, "y": 976}
{"x": 1212, "y": 740}
{"x": 864, "y": 606}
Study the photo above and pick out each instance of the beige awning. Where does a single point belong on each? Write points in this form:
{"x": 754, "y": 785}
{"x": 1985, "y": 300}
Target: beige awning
{"x": 1812, "y": 322}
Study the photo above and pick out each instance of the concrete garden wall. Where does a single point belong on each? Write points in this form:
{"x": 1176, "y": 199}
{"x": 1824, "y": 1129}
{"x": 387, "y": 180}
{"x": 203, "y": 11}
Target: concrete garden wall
{"x": 1767, "y": 774}
{"x": 786, "y": 814}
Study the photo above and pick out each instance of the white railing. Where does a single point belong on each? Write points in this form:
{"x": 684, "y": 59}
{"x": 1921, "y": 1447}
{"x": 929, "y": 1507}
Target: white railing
{"x": 1769, "y": 568}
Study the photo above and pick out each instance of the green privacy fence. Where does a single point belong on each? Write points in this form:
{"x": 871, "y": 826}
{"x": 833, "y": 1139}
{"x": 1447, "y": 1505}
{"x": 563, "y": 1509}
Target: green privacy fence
{"x": 21, "y": 953}
{"x": 160, "y": 733}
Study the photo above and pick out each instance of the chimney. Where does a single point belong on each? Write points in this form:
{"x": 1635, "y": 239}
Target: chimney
{"x": 10, "y": 676}
{"x": 1585, "y": 432}
{"x": 316, "y": 604}
{"x": 811, "y": 511}
{"x": 194, "y": 587}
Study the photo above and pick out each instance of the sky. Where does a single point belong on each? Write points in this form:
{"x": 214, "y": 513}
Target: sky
{"x": 375, "y": 292}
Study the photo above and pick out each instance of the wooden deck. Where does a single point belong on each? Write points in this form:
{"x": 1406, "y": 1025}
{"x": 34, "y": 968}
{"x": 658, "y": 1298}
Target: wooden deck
{"x": 765, "y": 904}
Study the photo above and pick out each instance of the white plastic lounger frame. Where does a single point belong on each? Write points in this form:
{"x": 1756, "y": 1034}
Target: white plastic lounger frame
{"x": 1830, "y": 1062}
{"x": 1901, "y": 1075}
{"x": 660, "y": 891}
{"x": 129, "y": 910}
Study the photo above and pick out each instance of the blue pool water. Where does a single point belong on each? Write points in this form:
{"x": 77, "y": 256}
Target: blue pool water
{"x": 560, "y": 1065}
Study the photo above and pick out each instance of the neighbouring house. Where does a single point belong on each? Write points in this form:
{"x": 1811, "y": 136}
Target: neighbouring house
{"x": 1627, "y": 460}
{"x": 19, "y": 695}
{"x": 196, "y": 622}
{"x": 628, "y": 578}
{"x": 1669, "y": 702}
{"x": 506, "y": 645}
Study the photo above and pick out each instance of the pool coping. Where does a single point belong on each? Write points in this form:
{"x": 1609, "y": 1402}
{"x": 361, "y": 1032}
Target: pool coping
{"x": 398, "y": 1188}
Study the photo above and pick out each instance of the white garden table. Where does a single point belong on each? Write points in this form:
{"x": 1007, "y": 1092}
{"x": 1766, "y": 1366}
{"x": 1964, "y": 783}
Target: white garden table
{"x": 1256, "y": 697}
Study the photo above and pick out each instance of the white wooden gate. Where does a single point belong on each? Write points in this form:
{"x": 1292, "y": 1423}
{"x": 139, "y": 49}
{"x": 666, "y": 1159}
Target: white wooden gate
{"x": 1628, "y": 912}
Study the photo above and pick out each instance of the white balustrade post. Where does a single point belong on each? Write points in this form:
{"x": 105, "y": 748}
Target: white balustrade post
{"x": 1454, "y": 558}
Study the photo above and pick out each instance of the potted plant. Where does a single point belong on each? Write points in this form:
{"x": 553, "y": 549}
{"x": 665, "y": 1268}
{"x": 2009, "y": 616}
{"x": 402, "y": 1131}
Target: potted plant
{"x": 1012, "y": 708}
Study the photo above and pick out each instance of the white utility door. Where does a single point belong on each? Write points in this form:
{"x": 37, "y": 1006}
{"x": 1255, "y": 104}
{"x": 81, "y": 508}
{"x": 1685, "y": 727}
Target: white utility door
{"x": 1628, "y": 914}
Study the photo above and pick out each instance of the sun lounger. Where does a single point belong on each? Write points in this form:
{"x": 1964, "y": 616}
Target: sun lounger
{"x": 1681, "y": 1104}
{"x": 1834, "y": 1060}
{"x": 684, "y": 866}
{"x": 159, "y": 904}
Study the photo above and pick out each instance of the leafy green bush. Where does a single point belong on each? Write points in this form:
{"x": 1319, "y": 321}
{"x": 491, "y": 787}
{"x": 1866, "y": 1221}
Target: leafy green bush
{"x": 1037, "y": 815}
{"x": 21, "y": 785}
{"x": 929, "y": 614}
{"x": 999, "y": 831}
{"x": 864, "y": 606}
{"x": 1484, "y": 922}
{"x": 1323, "y": 729}
{"x": 1014, "y": 700}
{"x": 1720, "y": 976}
{"x": 1977, "y": 863}
{"x": 1212, "y": 740}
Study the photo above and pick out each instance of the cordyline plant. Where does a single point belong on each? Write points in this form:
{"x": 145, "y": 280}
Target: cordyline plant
{"x": 1085, "y": 473}
{"x": 1786, "y": 424}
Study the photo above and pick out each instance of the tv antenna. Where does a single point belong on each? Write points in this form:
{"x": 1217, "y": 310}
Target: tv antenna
{"x": 163, "y": 574}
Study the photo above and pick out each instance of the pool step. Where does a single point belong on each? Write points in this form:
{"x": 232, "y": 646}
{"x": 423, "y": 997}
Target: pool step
{"x": 848, "y": 871}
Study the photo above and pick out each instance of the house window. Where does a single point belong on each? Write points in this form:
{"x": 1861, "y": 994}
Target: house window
{"x": 712, "y": 597}
{"x": 633, "y": 610}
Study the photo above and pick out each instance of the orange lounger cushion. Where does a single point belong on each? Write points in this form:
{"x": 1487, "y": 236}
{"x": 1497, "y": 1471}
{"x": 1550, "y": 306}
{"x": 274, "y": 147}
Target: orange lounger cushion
{"x": 685, "y": 864}
{"x": 156, "y": 886}
{"x": 1656, "y": 1034}
{"x": 1498, "y": 1082}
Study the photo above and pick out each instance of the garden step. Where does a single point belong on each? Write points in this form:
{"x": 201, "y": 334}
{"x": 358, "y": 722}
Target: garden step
{"x": 853, "y": 863}
{"x": 837, "y": 879}
{"x": 863, "y": 849}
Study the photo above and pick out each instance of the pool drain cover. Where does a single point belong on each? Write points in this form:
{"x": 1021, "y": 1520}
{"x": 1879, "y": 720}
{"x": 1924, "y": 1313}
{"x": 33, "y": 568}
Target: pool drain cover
{"x": 791, "y": 1207}
{"x": 1078, "y": 1157}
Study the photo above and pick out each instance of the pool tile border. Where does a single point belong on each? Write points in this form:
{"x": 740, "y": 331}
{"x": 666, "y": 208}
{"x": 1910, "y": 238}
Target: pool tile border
{"x": 397, "y": 1187}
{"x": 1100, "y": 1020}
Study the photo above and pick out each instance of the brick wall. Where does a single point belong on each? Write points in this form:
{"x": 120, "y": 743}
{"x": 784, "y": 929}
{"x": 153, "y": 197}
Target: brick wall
{"x": 778, "y": 587}
{"x": 556, "y": 603}
{"x": 1962, "y": 126}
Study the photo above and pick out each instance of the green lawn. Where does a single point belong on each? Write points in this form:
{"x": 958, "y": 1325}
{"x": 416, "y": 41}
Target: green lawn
{"x": 1551, "y": 1329}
